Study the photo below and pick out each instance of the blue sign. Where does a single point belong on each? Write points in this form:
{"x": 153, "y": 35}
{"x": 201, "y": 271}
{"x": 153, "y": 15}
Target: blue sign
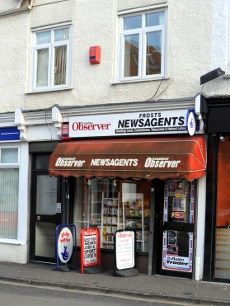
{"x": 9, "y": 133}
{"x": 191, "y": 122}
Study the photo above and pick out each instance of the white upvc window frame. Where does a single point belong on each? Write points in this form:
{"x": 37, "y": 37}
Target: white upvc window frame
{"x": 142, "y": 32}
{"x": 51, "y": 47}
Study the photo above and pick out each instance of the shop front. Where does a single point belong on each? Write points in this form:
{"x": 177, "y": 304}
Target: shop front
{"x": 13, "y": 195}
{"x": 217, "y": 242}
{"x": 147, "y": 184}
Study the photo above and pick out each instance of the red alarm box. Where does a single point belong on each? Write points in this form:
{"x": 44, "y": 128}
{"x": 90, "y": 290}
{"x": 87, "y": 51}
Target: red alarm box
{"x": 95, "y": 55}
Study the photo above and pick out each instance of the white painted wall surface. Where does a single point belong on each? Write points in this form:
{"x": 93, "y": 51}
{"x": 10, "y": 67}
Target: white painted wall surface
{"x": 8, "y": 4}
{"x": 192, "y": 52}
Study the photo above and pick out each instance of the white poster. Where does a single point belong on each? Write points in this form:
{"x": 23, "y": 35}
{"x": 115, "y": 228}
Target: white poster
{"x": 125, "y": 249}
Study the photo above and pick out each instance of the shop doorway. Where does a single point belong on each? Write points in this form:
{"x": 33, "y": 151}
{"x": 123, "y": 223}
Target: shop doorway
{"x": 45, "y": 212}
{"x": 174, "y": 228}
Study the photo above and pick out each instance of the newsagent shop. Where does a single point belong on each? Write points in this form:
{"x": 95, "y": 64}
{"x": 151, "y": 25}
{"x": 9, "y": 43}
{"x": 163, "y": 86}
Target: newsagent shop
{"x": 138, "y": 170}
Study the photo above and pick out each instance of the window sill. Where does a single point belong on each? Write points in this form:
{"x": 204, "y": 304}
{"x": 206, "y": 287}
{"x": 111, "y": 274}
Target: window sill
{"x": 48, "y": 90}
{"x": 139, "y": 81}
{"x": 10, "y": 241}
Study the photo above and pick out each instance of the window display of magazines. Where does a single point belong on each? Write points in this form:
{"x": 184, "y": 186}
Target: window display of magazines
{"x": 133, "y": 218}
{"x": 110, "y": 221}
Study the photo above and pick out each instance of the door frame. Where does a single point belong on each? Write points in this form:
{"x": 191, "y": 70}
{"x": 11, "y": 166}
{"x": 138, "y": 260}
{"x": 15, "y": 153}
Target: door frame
{"x": 56, "y": 218}
{"x": 159, "y": 229}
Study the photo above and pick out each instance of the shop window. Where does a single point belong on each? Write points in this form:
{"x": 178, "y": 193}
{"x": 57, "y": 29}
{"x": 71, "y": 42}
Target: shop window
{"x": 116, "y": 204}
{"x": 9, "y": 182}
{"x": 51, "y": 59}
{"x": 142, "y": 46}
{"x": 222, "y": 256}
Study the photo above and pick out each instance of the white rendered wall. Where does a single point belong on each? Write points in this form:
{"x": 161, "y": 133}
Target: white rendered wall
{"x": 191, "y": 51}
{"x": 8, "y": 4}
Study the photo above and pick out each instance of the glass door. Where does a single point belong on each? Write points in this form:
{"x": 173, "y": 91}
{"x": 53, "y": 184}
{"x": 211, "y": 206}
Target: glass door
{"x": 44, "y": 211}
{"x": 178, "y": 226}
{"x": 46, "y": 218}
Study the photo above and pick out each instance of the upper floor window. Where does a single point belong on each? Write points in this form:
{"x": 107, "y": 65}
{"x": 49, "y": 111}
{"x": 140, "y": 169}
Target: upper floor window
{"x": 142, "y": 46}
{"x": 51, "y": 68}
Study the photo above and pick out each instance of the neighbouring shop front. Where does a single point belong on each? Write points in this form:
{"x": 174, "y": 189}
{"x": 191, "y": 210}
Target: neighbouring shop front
{"x": 13, "y": 195}
{"x": 217, "y": 243}
{"x": 147, "y": 181}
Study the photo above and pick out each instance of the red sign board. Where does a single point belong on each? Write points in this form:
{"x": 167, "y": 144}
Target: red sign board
{"x": 90, "y": 247}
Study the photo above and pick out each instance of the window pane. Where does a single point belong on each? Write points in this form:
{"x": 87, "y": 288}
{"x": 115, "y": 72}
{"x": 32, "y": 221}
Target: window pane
{"x": 60, "y": 65}
{"x": 222, "y": 250}
{"x": 132, "y": 22}
{"x": 43, "y": 38}
{"x": 42, "y": 67}
{"x": 131, "y": 57}
{"x": 61, "y": 34}
{"x": 154, "y": 19}
{"x": 42, "y": 161}
{"x": 46, "y": 195}
{"x": 9, "y": 203}
{"x": 153, "y": 53}
{"x": 105, "y": 210}
{"x": 9, "y": 155}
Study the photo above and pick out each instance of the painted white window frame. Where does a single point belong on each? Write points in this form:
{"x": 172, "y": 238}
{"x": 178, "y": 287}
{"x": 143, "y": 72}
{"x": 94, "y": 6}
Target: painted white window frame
{"x": 142, "y": 47}
{"x": 51, "y": 46}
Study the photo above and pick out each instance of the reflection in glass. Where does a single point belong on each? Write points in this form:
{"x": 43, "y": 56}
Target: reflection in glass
{"x": 153, "y": 53}
{"x": 43, "y": 37}
{"x": 60, "y": 65}
{"x": 131, "y": 58}
{"x": 132, "y": 22}
{"x": 42, "y": 67}
{"x": 61, "y": 34}
{"x": 154, "y": 19}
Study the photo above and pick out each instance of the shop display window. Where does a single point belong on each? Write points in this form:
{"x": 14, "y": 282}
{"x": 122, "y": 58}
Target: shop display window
{"x": 222, "y": 250}
{"x": 115, "y": 204}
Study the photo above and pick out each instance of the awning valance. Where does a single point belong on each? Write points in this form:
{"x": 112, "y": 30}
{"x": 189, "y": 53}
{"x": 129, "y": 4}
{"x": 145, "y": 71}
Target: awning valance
{"x": 149, "y": 158}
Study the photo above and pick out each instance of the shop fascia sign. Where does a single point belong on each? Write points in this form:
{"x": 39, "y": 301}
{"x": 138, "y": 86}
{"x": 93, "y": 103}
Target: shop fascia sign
{"x": 143, "y": 123}
{"x": 9, "y": 133}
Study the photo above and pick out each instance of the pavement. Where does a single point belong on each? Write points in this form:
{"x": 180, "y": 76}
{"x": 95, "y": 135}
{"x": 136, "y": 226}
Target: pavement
{"x": 155, "y": 287}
